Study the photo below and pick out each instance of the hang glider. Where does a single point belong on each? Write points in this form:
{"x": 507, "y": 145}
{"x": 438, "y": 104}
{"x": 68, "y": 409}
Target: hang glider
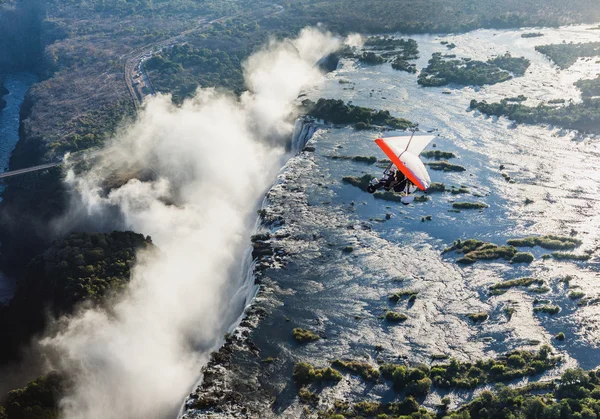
{"x": 404, "y": 153}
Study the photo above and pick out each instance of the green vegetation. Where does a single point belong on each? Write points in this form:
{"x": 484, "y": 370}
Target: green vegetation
{"x": 469, "y": 205}
{"x": 437, "y": 154}
{"x": 307, "y": 396}
{"x": 436, "y": 187}
{"x": 565, "y": 55}
{"x": 371, "y": 58}
{"x": 305, "y": 373}
{"x": 84, "y": 267}
{"x": 522, "y": 257}
{"x": 445, "y": 166}
{"x": 183, "y": 68}
{"x": 395, "y": 317}
{"x": 38, "y": 399}
{"x": 406, "y": 49}
{"x": 403, "y": 65}
{"x": 364, "y": 369}
{"x": 507, "y": 367}
{"x": 548, "y": 309}
{"x": 401, "y": 50}
{"x": 456, "y": 191}
{"x": 360, "y": 159}
{"x": 304, "y": 336}
{"x": 475, "y": 250}
{"x": 404, "y": 408}
{"x": 574, "y": 396}
{"x": 520, "y": 98}
{"x": 584, "y": 116}
{"x": 575, "y": 295}
{"x": 337, "y": 112}
{"x": 394, "y": 197}
{"x": 589, "y": 88}
{"x": 397, "y": 296}
{"x": 550, "y": 242}
{"x": 417, "y": 382}
{"x": 520, "y": 282}
{"x": 478, "y": 317}
{"x": 441, "y": 72}
{"x": 517, "y": 66}
{"x": 570, "y": 256}
{"x": 560, "y": 336}
{"x": 531, "y": 35}
{"x": 360, "y": 182}
{"x": 455, "y": 374}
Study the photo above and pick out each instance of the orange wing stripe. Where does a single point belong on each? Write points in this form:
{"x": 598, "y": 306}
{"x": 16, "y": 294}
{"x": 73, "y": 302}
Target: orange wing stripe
{"x": 394, "y": 158}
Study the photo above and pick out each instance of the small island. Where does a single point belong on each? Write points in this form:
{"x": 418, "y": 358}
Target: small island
{"x": 338, "y": 112}
{"x": 399, "y": 52}
{"x": 589, "y": 87}
{"x": 441, "y": 72}
{"x": 532, "y": 35}
{"x": 565, "y": 55}
{"x": 583, "y": 116}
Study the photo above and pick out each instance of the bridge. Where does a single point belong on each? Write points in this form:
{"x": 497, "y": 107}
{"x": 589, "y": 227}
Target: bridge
{"x": 29, "y": 170}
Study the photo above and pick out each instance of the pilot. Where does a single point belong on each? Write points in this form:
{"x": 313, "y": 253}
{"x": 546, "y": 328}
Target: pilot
{"x": 393, "y": 180}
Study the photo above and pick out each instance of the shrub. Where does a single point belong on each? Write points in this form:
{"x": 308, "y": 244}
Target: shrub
{"x": 395, "y": 317}
{"x": 522, "y": 257}
{"x": 304, "y": 336}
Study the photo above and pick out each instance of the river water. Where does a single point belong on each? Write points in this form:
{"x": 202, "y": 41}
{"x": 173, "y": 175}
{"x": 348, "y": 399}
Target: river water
{"x": 17, "y": 85}
{"x": 342, "y": 295}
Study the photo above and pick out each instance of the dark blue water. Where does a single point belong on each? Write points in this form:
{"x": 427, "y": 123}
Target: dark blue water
{"x": 17, "y": 85}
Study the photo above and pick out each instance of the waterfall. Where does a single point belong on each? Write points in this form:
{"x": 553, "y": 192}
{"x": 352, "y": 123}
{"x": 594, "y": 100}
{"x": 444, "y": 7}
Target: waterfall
{"x": 304, "y": 129}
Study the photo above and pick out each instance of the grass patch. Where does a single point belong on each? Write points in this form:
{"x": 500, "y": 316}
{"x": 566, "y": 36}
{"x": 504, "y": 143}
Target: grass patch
{"x": 576, "y": 295}
{"x": 560, "y": 336}
{"x": 469, "y": 205}
{"x": 364, "y": 369}
{"x": 304, "y": 336}
{"x": 570, "y": 256}
{"x": 547, "y": 308}
{"x": 308, "y": 397}
{"x": 395, "y": 317}
{"x": 438, "y": 154}
{"x": 359, "y": 159}
{"x": 456, "y": 191}
{"x": 445, "y": 166}
{"x": 475, "y": 250}
{"x": 549, "y": 242}
{"x": 509, "y": 366}
{"x": 436, "y": 187}
{"x": 397, "y": 296}
{"x": 304, "y": 373}
{"x": 522, "y": 257}
{"x": 360, "y": 182}
{"x": 520, "y": 282}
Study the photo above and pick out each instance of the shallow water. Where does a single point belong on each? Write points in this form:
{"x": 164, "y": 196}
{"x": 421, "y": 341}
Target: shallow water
{"x": 17, "y": 85}
{"x": 343, "y": 295}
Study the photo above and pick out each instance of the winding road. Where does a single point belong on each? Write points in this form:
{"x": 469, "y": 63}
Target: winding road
{"x": 133, "y": 64}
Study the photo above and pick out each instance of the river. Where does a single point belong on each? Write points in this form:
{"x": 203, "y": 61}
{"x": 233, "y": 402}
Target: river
{"x": 17, "y": 85}
{"x": 347, "y": 252}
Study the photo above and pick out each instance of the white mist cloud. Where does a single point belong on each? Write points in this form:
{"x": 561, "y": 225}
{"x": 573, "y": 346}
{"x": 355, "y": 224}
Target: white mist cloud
{"x": 214, "y": 157}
